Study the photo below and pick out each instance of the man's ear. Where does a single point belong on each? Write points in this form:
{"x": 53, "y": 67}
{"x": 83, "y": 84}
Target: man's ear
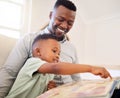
{"x": 50, "y": 15}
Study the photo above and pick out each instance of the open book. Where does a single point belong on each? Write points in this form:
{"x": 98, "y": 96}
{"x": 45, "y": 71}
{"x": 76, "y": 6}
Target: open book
{"x": 83, "y": 89}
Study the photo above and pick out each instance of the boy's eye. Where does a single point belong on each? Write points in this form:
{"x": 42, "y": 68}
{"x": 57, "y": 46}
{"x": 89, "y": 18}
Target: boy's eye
{"x": 54, "y": 51}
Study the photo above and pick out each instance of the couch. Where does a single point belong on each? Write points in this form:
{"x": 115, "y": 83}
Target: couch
{"x": 6, "y": 45}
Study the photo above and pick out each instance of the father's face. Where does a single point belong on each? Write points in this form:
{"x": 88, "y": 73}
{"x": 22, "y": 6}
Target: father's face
{"x": 61, "y": 21}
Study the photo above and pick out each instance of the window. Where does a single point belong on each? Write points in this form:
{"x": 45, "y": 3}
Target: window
{"x": 12, "y": 17}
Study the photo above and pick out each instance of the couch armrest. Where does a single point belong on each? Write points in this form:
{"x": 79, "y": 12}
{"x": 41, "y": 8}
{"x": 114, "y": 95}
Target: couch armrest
{"x": 6, "y": 45}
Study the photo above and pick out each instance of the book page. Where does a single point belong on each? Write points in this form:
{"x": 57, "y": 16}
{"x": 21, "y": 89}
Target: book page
{"x": 82, "y": 89}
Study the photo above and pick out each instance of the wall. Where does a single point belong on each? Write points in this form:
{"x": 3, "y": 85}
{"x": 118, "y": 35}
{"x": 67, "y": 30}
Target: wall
{"x": 40, "y": 13}
{"x": 102, "y": 42}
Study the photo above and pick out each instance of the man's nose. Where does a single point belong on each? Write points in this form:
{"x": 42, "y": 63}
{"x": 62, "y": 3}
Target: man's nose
{"x": 64, "y": 25}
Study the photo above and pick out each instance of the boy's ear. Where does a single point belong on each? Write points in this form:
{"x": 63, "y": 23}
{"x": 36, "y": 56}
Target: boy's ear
{"x": 37, "y": 51}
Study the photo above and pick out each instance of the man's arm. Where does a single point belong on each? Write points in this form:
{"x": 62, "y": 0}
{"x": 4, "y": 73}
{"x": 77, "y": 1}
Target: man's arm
{"x": 76, "y": 77}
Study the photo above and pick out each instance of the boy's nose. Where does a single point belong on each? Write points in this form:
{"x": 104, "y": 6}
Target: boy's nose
{"x": 57, "y": 56}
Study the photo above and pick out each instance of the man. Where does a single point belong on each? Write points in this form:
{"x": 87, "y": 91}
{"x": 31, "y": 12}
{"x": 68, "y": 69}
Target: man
{"x": 61, "y": 21}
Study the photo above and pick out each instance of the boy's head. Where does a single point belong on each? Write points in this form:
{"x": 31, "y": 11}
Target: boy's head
{"x": 46, "y": 47}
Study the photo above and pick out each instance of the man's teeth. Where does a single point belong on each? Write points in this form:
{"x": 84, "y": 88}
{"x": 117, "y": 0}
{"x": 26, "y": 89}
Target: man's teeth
{"x": 61, "y": 30}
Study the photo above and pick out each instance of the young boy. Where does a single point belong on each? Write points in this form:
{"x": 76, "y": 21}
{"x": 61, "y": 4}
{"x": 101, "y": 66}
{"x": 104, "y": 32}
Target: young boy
{"x": 39, "y": 70}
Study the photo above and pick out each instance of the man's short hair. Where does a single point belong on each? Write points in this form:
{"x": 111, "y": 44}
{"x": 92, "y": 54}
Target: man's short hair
{"x": 44, "y": 37}
{"x": 66, "y": 3}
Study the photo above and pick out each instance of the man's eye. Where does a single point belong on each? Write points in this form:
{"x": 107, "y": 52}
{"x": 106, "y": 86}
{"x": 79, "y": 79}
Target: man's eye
{"x": 70, "y": 23}
{"x": 60, "y": 19}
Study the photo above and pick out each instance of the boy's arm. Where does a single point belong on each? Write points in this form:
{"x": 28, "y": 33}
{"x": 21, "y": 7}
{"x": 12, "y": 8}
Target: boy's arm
{"x": 62, "y": 68}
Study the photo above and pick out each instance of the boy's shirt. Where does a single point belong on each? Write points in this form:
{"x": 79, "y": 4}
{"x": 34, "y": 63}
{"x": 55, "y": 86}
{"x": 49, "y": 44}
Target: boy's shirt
{"x": 30, "y": 83}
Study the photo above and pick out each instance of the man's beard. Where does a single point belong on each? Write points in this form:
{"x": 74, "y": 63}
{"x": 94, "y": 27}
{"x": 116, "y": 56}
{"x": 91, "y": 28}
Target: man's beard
{"x": 56, "y": 29}
{"x": 60, "y": 33}
{"x": 59, "y": 38}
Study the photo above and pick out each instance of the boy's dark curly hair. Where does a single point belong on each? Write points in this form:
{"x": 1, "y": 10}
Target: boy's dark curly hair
{"x": 44, "y": 37}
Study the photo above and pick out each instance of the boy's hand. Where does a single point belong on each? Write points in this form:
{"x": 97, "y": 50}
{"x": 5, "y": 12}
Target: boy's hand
{"x": 101, "y": 71}
{"x": 51, "y": 85}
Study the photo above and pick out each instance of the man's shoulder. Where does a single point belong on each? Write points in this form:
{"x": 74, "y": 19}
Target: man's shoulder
{"x": 32, "y": 34}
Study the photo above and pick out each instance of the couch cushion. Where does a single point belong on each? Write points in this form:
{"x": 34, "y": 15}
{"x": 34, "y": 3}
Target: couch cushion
{"x": 6, "y": 45}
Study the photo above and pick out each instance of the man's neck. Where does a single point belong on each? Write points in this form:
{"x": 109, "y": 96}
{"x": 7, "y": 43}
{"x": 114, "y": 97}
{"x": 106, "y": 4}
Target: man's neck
{"x": 61, "y": 38}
